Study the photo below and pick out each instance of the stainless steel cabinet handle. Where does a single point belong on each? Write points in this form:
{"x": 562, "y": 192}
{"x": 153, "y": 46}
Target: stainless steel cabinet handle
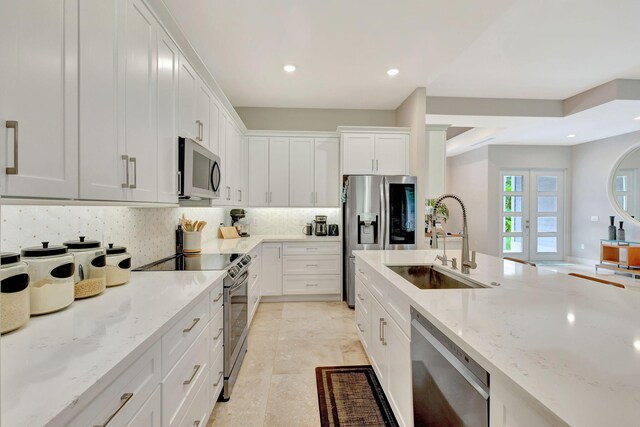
{"x": 218, "y": 298}
{"x": 201, "y": 131}
{"x": 270, "y": 196}
{"x": 278, "y": 252}
{"x": 239, "y": 195}
{"x": 196, "y": 368}
{"x": 376, "y": 165}
{"x": 219, "y": 379}
{"x": 195, "y": 322}
{"x": 254, "y": 276}
{"x": 219, "y": 333}
{"x": 123, "y": 401}
{"x": 360, "y": 297}
{"x": 199, "y": 124}
{"x": 266, "y": 197}
{"x": 373, "y": 165}
{"x": 360, "y": 327}
{"x": 380, "y": 337}
{"x": 134, "y": 161}
{"x": 312, "y": 284}
{"x": 196, "y": 423}
{"x": 13, "y": 124}
{"x": 382, "y": 325}
{"x": 312, "y": 265}
{"x": 126, "y": 166}
{"x": 228, "y": 193}
{"x": 179, "y": 182}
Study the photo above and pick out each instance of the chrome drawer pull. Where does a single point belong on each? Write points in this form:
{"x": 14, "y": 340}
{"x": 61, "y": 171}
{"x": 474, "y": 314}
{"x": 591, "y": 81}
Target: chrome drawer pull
{"x": 219, "y": 379}
{"x": 312, "y": 265}
{"x": 382, "y": 325}
{"x": 218, "y": 299}
{"x": 195, "y": 322}
{"x": 196, "y": 423}
{"x": 219, "y": 333}
{"x": 134, "y": 162}
{"x": 13, "y": 124}
{"x": 196, "y": 368}
{"x": 312, "y": 249}
{"x": 360, "y": 327}
{"x": 312, "y": 284}
{"x": 123, "y": 401}
{"x": 360, "y": 297}
{"x": 126, "y": 166}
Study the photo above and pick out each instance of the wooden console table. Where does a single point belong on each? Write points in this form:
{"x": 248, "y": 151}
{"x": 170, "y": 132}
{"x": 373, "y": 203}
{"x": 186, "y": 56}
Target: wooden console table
{"x": 620, "y": 256}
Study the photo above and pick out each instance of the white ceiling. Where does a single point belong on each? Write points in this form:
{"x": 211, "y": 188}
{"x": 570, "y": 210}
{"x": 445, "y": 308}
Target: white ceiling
{"x": 492, "y": 48}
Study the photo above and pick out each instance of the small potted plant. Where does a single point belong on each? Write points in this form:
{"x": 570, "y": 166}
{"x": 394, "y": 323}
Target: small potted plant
{"x": 441, "y": 215}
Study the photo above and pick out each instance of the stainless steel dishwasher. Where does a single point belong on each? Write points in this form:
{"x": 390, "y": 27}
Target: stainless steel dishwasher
{"x": 449, "y": 387}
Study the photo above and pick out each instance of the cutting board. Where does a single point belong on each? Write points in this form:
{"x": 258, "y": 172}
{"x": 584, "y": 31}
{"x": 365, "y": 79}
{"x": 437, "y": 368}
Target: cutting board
{"x": 228, "y": 233}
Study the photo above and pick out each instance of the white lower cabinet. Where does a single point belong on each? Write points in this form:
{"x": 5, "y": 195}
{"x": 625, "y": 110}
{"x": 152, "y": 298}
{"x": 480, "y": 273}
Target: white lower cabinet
{"x": 150, "y": 413}
{"x": 271, "y": 269}
{"x": 197, "y": 413}
{"x": 398, "y": 353}
{"x": 509, "y": 407}
{"x": 255, "y": 280}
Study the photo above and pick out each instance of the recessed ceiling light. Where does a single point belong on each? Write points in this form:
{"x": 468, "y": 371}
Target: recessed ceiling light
{"x": 393, "y": 72}
{"x": 571, "y": 135}
{"x": 289, "y": 68}
{"x": 636, "y": 118}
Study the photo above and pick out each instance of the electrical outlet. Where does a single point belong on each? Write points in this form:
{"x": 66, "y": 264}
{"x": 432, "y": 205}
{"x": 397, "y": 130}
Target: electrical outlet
{"x": 595, "y": 218}
{"x": 581, "y": 245}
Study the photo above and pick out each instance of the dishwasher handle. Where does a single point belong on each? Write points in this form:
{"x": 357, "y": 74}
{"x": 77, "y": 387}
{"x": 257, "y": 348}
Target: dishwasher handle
{"x": 463, "y": 370}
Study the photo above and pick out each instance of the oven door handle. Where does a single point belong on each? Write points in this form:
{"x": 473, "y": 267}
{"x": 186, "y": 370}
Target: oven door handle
{"x": 239, "y": 284}
{"x": 455, "y": 363}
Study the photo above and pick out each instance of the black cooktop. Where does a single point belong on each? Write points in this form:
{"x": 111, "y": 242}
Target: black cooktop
{"x": 191, "y": 262}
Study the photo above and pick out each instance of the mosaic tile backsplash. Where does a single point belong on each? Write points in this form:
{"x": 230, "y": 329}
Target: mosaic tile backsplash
{"x": 148, "y": 233}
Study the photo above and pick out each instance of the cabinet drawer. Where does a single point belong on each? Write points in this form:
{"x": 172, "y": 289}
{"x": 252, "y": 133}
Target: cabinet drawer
{"x": 317, "y": 264}
{"x": 180, "y": 386}
{"x": 310, "y": 248}
{"x": 362, "y": 272}
{"x": 216, "y": 377}
{"x": 300, "y": 285}
{"x": 126, "y": 395}
{"x": 199, "y": 409}
{"x": 363, "y": 298}
{"x": 183, "y": 333}
{"x": 363, "y": 325}
{"x": 150, "y": 413}
{"x": 216, "y": 334}
{"x": 215, "y": 298}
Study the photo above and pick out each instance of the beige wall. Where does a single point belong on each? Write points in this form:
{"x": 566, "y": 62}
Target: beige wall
{"x": 312, "y": 119}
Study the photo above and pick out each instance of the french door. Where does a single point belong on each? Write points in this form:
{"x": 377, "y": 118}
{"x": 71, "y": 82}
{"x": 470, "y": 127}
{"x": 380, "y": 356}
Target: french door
{"x": 532, "y": 214}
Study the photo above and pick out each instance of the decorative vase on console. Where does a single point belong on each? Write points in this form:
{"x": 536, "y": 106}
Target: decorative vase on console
{"x": 621, "y": 235}
{"x": 612, "y": 228}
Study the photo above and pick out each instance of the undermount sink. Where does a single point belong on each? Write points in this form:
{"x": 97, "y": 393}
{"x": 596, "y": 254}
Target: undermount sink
{"x": 428, "y": 277}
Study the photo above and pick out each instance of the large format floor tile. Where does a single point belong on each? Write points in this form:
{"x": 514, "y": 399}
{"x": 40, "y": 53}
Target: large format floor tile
{"x": 287, "y": 341}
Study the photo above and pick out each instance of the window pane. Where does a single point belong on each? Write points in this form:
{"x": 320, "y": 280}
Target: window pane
{"x": 547, "y": 183}
{"x": 547, "y": 204}
{"x": 512, "y": 204}
{"x": 622, "y": 202}
{"x": 620, "y": 183}
{"x": 547, "y": 244}
{"x": 512, "y": 224}
{"x": 512, "y": 183}
{"x": 512, "y": 244}
{"x": 547, "y": 224}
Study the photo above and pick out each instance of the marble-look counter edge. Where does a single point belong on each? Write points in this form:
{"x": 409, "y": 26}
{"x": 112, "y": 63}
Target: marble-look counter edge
{"x": 247, "y": 244}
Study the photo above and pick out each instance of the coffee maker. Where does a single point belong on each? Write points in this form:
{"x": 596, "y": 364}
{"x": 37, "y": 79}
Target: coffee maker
{"x": 320, "y": 225}
{"x": 239, "y": 222}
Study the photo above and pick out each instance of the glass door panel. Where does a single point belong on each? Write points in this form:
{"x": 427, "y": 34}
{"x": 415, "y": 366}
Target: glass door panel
{"x": 513, "y": 220}
{"x": 547, "y": 211}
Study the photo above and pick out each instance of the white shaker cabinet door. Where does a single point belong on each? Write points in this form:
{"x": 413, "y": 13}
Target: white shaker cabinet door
{"x": 301, "y": 169}
{"x": 358, "y": 154}
{"x": 377, "y": 347}
{"x": 278, "y": 171}
{"x": 102, "y": 166}
{"x": 327, "y": 172}
{"x": 39, "y": 98}
{"x": 149, "y": 414}
{"x": 271, "y": 284}
{"x": 391, "y": 154}
{"x": 214, "y": 124}
{"x": 399, "y": 374}
{"x": 187, "y": 94}
{"x": 140, "y": 44}
{"x": 258, "y": 171}
{"x": 204, "y": 99}
{"x": 168, "y": 68}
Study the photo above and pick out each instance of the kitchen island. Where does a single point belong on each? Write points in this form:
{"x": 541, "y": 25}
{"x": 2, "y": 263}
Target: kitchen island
{"x": 559, "y": 350}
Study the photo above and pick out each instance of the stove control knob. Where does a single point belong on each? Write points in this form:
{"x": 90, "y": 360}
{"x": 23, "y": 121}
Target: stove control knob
{"x": 246, "y": 259}
{"x": 233, "y": 271}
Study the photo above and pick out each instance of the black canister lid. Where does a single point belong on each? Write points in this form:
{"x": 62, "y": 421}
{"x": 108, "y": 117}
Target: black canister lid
{"x": 9, "y": 258}
{"x": 114, "y": 250}
{"x": 81, "y": 243}
{"x": 45, "y": 250}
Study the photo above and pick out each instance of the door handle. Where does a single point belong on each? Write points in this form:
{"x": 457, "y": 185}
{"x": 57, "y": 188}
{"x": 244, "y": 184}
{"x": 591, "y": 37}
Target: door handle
{"x": 270, "y": 196}
{"x": 360, "y": 297}
{"x": 360, "y": 327}
{"x": 239, "y": 195}
{"x": 126, "y": 167}
{"x": 372, "y": 166}
{"x": 199, "y": 124}
{"x": 179, "y": 182}
{"x": 13, "y": 124}
{"x": 218, "y": 298}
{"x": 134, "y": 161}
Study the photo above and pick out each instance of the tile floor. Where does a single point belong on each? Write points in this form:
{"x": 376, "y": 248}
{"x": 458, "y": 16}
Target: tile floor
{"x": 287, "y": 341}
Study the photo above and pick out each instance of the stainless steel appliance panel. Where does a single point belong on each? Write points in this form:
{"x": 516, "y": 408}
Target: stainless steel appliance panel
{"x": 199, "y": 171}
{"x": 449, "y": 388}
{"x": 235, "y": 312}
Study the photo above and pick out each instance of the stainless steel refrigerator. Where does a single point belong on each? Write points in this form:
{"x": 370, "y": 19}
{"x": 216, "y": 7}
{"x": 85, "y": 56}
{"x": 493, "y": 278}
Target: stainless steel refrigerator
{"x": 379, "y": 214}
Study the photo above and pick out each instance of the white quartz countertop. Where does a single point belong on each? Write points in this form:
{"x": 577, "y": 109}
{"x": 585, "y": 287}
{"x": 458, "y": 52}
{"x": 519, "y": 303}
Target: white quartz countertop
{"x": 246, "y": 244}
{"x": 53, "y": 360}
{"x": 572, "y": 345}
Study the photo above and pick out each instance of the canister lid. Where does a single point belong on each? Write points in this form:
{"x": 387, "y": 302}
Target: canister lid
{"x": 9, "y": 257}
{"x": 81, "y": 243}
{"x": 45, "y": 250}
{"x": 114, "y": 250}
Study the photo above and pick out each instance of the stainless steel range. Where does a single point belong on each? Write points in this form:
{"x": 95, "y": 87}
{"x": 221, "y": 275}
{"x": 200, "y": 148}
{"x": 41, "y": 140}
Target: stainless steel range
{"x": 234, "y": 303}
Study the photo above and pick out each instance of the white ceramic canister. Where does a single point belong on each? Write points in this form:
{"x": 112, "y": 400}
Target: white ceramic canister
{"x": 14, "y": 295}
{"x": 50, "y": 270}
{"x": 192, "y": 242}
{"x": 90, "y": 259}
{"x": 118, "y": 265}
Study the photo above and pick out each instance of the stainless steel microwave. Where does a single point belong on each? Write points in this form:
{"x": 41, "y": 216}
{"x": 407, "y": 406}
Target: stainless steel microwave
{"x": 199, "y": 171}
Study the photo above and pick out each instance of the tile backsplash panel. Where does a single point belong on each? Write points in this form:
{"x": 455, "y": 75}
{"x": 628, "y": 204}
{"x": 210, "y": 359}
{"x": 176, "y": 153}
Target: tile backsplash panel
{"x": 148, "y": 233}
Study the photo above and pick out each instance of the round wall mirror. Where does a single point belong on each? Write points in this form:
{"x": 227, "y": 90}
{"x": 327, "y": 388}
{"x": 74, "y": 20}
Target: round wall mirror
{"x": 624, "y": 185}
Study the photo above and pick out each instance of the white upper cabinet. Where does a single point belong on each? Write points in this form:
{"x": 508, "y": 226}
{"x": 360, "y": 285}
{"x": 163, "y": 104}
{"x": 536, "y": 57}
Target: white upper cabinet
{"x": 278, "y": 171}
{"x": 327, "y": 172}
{"x": 204, "y": 100}
{"x": 168, "y": 68}
{"x": 258, "y": 171}
{"x": 301, "y": 164}
{"x": 187, "y": 94}
{"x": 214, "y": 125}
{"x": 383, "y": 153}
{"x": 140, "y": 101}
{"x": 39, "y": 98}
